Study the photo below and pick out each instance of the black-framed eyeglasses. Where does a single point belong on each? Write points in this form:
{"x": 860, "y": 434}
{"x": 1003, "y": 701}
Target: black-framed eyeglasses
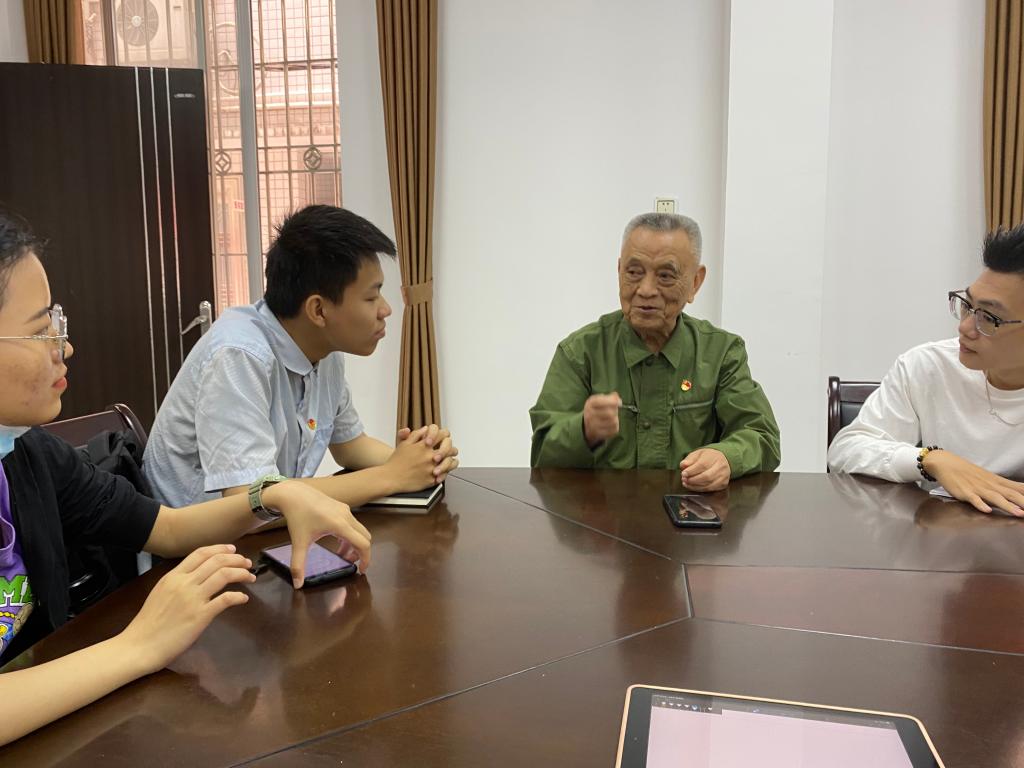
{"x": 984, "y": 321}
{"x": 57, "y": 332}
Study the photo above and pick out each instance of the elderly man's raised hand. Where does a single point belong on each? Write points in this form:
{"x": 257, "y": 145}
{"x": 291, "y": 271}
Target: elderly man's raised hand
{"x": 601, "y": 418}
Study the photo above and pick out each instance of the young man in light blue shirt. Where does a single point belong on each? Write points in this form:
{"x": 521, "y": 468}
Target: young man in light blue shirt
{"x": 264, "y": 391}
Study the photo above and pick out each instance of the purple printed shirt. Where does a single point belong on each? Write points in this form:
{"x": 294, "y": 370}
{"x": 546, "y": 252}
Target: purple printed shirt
{"x": 15, "y": 592}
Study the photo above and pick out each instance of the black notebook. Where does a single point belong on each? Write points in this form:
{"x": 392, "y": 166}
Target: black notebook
{"x": 413, "y": 502}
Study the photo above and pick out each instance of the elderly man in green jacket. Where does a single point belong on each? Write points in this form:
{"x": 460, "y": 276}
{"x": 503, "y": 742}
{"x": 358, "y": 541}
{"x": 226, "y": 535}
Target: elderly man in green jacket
{"x": 650, "y": 386}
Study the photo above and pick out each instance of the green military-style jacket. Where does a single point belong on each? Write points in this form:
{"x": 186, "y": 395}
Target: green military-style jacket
{"x": 696, "y": 393}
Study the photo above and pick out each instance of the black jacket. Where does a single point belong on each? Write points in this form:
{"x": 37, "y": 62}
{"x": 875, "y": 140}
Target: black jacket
{"x": 56, "y": 496}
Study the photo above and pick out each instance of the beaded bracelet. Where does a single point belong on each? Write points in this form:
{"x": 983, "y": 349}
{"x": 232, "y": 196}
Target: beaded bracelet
{"x": 920, "y": 462}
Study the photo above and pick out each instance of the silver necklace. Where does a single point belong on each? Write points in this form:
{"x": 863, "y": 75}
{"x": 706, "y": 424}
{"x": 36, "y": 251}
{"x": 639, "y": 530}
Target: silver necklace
{"x": 992, "y": 410}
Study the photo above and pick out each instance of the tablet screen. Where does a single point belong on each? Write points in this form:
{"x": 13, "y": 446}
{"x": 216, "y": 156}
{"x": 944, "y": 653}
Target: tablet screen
{"x": 676, "y": 729}
{"x": 686, "y": 733}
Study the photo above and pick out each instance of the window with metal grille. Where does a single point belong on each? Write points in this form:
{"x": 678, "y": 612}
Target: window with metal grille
{"x": 272, "y": 109}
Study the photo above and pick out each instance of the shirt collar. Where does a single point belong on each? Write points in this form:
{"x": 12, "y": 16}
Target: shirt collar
{"x": 636, "y": 352}
{"x": 284, "y": 346}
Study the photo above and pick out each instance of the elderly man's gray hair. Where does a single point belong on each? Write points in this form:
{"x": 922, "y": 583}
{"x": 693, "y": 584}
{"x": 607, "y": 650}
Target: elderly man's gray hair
{"x": 666, "y": 222}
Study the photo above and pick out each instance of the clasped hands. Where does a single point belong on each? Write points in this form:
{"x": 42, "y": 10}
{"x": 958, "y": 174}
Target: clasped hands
{"x": 423, "y": 457}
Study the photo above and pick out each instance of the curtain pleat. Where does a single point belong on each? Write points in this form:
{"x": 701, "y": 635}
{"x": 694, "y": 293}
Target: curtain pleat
{"x": 407, "y": 32}
{"x": 54, "y": 31}
{"x": 1003, "y": 118}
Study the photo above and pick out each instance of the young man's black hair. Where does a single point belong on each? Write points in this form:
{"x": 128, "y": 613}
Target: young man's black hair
{"x": 1004, "y": 250}
{"x": 319, "y": 250}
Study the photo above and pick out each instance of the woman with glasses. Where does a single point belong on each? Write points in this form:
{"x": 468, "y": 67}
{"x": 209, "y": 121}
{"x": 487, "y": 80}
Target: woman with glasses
{"x": 49, "y": 496}
{"x": 952, "y": 411}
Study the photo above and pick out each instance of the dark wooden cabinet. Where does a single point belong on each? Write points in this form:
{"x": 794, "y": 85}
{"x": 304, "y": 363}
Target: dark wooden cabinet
{"x": 109, "y": 164}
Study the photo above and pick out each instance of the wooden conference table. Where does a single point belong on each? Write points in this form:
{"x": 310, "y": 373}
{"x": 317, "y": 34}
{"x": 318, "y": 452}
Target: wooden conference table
{"x": 504, "y": 627}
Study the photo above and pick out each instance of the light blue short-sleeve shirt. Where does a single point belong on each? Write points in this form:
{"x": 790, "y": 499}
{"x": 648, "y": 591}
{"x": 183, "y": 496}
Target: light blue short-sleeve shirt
{"x": 246, "y": 403}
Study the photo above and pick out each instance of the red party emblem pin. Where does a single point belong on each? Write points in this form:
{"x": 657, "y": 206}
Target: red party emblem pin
{"x": 686, "y": 385}
{"x": 312, "y": 424}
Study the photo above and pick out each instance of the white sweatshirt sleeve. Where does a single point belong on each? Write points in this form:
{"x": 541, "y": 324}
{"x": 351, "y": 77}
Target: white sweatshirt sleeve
{"x": 882, "y": 440}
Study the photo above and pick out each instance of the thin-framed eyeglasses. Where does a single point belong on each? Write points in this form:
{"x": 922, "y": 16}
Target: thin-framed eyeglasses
{"x": 58, "y": 331}
{"x": 984, "y": 321}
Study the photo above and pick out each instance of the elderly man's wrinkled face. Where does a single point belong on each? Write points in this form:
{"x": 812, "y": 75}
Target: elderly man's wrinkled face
{"x": 658, "y": 276}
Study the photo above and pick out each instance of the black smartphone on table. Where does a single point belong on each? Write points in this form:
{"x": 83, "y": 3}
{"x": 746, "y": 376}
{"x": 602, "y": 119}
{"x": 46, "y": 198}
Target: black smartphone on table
{"x": 691, "y": 511}
{"x": 322, "y": 565}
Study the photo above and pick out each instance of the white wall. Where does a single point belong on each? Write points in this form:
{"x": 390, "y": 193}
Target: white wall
{"x": 901, "y": 204}
{"x": 777, "y": 159}
{"x": 12, "y": 31}
{"x": 557, "y": 121}
{"x": 905, "y": 196}
{"x": 367, "y": 191}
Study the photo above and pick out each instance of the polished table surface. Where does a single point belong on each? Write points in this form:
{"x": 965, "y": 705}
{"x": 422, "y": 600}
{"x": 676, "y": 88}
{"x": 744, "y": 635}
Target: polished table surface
{"x": 567, "y": 713}
{"x": 522, "y": 591}
{"x": 803, "y": 520}
{"x": 964, "y": 610}
{"x": 482, "y": 587}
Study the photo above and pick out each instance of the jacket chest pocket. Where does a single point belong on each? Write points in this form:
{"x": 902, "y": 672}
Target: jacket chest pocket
{"x": 694, "y": 423}
{"x": 683, "y": 407}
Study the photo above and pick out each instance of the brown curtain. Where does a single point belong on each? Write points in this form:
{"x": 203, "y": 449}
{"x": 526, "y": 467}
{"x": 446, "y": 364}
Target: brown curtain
{"x": 54, "y": 31}
{"x": 1004, "y": 113}
{"x": 407, "y": 32}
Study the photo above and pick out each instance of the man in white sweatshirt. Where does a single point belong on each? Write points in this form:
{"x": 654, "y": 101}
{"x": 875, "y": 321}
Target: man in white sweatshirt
{"x": 953, "y": 411}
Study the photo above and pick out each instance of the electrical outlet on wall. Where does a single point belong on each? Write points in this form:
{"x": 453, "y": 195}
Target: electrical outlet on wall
{"x": 664, "y": 205}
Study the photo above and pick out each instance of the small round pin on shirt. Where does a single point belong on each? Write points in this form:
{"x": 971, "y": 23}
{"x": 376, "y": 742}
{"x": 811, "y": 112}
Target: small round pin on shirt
{"x": 312, "y": 424}
{"x": 686, "y": 385}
